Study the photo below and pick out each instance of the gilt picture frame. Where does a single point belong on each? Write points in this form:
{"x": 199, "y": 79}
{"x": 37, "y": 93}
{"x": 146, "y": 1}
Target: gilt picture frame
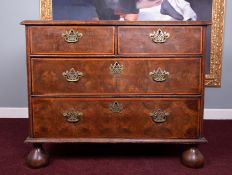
{"x": 214, "y": 63}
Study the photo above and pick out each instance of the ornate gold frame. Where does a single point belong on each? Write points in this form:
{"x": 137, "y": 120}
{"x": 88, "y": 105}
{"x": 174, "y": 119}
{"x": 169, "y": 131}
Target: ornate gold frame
{"x": 213, "y": 79}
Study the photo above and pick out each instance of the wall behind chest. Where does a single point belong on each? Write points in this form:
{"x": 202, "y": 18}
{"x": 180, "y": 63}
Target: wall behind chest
{"x": 13, "y": 67}
{"x": 12, "y": 50}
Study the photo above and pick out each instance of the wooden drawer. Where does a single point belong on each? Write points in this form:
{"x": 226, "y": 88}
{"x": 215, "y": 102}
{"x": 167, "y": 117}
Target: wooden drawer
{"x": 55, "y": 40}
{"x": 138, "y": 76}
{"x": 116, "y": 118}
{"x": 182, "y": 40}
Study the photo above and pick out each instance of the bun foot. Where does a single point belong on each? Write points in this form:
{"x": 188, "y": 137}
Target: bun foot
{"x": 193, "y": 158}
{"x": 37, "y": 158}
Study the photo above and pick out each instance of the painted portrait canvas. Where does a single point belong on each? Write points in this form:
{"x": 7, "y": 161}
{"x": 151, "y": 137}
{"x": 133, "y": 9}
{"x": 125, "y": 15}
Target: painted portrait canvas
{"x": 132, "y": 10}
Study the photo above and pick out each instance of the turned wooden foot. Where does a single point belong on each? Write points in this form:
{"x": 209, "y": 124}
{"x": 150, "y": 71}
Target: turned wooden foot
{"x": 37, "y": 158}
{"x": 193, "y": 158}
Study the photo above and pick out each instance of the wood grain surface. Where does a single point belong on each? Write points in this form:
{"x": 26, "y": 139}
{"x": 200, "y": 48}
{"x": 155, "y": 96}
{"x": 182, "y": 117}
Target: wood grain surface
{"x": 133, "y": 121}
{"x": 184, "y": 76}
{"x": 182, "y": 40}
{"x": 95, "y": 40}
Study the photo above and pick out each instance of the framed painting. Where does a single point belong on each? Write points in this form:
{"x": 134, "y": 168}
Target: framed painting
{"x": 150, "y": 10}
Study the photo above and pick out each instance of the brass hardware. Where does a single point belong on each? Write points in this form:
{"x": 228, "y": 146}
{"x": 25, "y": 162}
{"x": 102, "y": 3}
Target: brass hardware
{"x": 73, "y": 116}
{"x": 72, "y": 36}
{"x": 159, "y": 75}
{"x": 72, "y": 75}
{"x": 116, "y": 68}
{"x": 116, "y": 107}
{"x": 159, "y": 36}
{"x": 159, "y": 116}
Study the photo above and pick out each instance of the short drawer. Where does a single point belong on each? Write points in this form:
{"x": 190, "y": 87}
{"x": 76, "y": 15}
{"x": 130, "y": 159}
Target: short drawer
{"x": 72, "y": 40}
{"x": 160, "y": 40}
{"x": 116, "y": 76}
{"x": 116, "y": 118}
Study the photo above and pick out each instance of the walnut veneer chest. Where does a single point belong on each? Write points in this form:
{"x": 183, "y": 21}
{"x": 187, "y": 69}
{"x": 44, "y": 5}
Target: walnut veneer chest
{"x": 115, "y": 82}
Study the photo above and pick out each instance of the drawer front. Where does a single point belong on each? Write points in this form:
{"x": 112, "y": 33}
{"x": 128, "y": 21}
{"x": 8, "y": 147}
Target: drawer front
{"x": 116, "y": 118}
{"x": 160, "y": 40}
{"x": 72, "y": 40}
{"x": 121, "y": 76}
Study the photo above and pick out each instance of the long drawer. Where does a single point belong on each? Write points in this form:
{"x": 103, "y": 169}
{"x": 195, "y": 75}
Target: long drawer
{"x": 116, "y": 76}
{"x": 166, "y": 40}
{"x": 116, "y": 118}
{"x": 72, "y": 40}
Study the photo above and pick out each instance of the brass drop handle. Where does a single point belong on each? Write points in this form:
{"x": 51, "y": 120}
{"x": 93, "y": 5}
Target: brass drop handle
{"x": 72, "y": 36}
{"x": 159, "y": 116}
{"x": 72, "y": 75}
{"x": 116, "y": 107}
{"x": 159, "y": 36}
{"x": 73, "y": 116}
{"x": 159, "y": 75}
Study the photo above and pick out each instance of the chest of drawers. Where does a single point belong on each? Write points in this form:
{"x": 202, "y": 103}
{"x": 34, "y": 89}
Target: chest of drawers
{"x": 115, "y": 82}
